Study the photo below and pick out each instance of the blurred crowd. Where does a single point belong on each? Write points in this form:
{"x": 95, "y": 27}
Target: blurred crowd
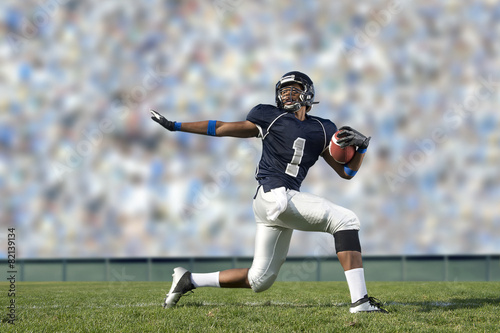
{"x": 84, "y": 172}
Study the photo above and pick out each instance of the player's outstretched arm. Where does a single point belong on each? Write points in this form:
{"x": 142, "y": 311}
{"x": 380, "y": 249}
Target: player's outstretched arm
{"x": 238, "y": 129}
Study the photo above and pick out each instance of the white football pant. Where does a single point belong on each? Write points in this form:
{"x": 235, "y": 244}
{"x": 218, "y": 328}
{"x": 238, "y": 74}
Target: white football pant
{"x": 278, "y": 213}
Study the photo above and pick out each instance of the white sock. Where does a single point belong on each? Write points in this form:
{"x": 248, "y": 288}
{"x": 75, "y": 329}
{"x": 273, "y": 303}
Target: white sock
{"x": 356, "y": 282}
{"x": 205, "y": 279}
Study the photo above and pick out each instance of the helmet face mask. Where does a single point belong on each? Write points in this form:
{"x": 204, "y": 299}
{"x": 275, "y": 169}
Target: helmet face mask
{"x": 292, "y": 99}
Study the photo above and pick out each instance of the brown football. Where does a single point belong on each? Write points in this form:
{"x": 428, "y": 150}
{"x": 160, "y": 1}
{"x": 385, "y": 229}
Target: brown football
{"x": 340, "y": 155}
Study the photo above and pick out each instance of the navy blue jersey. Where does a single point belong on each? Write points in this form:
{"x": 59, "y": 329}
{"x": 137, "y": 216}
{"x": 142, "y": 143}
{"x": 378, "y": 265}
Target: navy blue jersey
{"x": 289, "y": 146}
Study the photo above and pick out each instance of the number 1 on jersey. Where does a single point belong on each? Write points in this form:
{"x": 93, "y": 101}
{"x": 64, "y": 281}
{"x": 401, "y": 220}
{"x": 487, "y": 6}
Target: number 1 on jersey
{"x": 292, "y": 168}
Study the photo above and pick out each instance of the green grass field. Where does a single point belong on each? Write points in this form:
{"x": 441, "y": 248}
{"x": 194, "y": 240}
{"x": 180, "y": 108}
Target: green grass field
{"x": 286, "y": 307}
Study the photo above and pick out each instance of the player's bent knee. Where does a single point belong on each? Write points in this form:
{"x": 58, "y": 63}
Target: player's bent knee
{"x": 260, "y": 282}
{"x": 263, "y": 283}
{"x": 347, "y": 240}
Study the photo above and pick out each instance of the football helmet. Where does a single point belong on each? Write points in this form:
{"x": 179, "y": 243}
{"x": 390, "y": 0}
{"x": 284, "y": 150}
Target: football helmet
{"x": 299, "y": 98}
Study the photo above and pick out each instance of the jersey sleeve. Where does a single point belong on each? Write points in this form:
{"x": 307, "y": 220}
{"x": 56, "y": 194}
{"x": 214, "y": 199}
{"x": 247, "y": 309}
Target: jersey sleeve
{"x": 262, "y": 116}
{"x": 330, "y": 129}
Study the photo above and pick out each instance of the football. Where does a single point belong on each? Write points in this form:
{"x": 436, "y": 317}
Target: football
{"x": 340, "y": 155}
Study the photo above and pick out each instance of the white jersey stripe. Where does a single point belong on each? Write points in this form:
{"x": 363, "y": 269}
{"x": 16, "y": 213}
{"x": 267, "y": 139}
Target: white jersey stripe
{"x": 269, "y": 127}
{"x": 324, "y": 132}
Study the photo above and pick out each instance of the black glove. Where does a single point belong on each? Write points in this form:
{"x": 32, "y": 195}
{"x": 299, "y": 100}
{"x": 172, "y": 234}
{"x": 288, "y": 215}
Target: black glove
{"x": 170, "y": 125}
{"x": 350, "y": 137}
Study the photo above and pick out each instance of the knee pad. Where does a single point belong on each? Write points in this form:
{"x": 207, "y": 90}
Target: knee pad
{"x": 261, "y": 282}
{"x": 347, "y": 240}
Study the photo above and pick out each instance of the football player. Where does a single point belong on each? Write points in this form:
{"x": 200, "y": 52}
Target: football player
{"x": 292, "y": 141}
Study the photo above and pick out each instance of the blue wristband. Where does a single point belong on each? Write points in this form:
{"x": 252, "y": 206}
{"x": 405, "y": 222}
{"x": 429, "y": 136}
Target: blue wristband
{"x": 177, "y": 126}
{"x": 349, "y": 172}
{"x": 361, "y": 151}
{"x": 211, "y": 127}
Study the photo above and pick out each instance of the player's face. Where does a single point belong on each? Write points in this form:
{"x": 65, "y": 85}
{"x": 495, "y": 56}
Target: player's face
{"x": 291, "y": 94}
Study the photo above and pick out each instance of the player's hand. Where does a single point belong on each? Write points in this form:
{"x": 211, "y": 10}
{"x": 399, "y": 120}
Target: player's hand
{"x": 162, "y": 120}
{"x": 350, "y": 137}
